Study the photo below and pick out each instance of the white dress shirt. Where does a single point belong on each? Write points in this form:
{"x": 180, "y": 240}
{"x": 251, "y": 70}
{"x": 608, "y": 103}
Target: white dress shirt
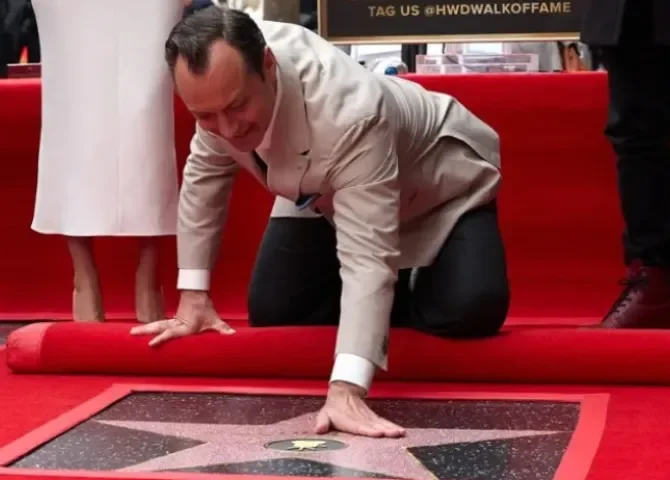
{"x": 347, "y": 368}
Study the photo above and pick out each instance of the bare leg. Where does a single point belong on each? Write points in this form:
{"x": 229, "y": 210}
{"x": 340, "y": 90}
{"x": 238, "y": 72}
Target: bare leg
{"x": 148, "y": 291}
{"x": 87, "y": 297}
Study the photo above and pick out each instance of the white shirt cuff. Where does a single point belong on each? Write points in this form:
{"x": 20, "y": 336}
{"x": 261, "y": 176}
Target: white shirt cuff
{"x": 193, "y": 280}
{"x": 353, "y": 369}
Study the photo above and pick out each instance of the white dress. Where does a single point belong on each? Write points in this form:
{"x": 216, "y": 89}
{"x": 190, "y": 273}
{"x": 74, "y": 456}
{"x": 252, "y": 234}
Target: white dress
{"x": 107, "y": 158}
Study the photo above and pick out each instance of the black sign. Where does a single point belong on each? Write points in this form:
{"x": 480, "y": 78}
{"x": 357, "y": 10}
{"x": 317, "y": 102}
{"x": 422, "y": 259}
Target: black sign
{"x": 425, "y": 21}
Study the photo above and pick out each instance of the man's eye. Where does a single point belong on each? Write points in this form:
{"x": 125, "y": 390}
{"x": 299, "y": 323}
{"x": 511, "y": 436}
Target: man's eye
{"x": 237, "y": 105}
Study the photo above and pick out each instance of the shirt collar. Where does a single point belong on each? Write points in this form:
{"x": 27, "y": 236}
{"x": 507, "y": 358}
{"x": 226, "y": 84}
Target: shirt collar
{"x": 268, "y": 133}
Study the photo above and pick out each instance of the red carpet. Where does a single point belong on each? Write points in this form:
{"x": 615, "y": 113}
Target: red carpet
{"x": 519, "y": 355}
{"x": 560, "y": 220}
{"x": 634, "y": 444}
{"x": 559, "y": 209}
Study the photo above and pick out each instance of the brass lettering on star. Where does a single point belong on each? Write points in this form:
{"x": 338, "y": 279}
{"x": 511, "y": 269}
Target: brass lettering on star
{"x": 304, "y": 445}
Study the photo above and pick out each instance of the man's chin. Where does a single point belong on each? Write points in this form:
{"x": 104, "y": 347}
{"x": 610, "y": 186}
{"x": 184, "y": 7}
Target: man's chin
{"x": 246, "y": 144}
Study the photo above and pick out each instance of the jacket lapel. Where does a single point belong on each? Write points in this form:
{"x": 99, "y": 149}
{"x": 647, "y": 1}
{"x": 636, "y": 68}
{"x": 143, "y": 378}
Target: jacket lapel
{"x": 290, "y": 135}
{"x": 288, "y": 149}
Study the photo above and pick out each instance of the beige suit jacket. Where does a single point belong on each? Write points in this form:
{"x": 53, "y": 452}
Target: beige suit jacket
{"x": 395, "y": 165}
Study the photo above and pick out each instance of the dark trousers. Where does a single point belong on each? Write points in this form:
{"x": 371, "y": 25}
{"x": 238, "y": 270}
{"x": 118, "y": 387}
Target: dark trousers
{"x": 464, "y": 293}
{"x": 639, "y": 130}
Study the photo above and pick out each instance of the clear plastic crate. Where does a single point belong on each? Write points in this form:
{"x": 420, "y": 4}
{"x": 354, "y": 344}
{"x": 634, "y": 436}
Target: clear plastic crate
{"x": 476, "y": 63}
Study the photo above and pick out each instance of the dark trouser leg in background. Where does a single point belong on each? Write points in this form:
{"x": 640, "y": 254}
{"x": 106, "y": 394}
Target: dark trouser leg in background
{"x": 463, "y": 294}
{"x": 639, "y": 131}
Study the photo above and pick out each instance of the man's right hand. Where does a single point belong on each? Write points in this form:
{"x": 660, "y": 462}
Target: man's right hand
{"x": 195, "y": 314}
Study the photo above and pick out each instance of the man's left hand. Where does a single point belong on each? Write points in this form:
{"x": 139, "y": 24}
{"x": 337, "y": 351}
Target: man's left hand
{"x": 345, "y": 410}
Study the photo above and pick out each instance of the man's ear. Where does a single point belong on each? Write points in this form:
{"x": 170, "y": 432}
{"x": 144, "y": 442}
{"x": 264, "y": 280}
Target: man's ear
{"x": 269, "y": 63}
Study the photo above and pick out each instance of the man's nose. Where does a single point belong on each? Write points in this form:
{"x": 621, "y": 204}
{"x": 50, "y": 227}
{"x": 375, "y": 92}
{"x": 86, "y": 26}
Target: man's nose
{"x": 227, "y": 127}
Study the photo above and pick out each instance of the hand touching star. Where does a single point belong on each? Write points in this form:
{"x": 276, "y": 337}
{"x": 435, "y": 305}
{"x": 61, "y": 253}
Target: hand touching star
{"x": 346, "y": 411}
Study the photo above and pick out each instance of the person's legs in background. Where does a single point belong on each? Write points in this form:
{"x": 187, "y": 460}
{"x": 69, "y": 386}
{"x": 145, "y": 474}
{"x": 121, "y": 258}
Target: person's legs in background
{"x": 87, "y": 297}
{"x": 115, "y": 177}
{"x": 639, "y": 131}
{"x": 87, "y": 304}
{"x": 149, "y": 305}
{"x": 5, "y": 43}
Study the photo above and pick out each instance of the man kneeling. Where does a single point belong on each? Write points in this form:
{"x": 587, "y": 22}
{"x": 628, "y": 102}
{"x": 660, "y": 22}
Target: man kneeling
{"x": 386, "y": 199}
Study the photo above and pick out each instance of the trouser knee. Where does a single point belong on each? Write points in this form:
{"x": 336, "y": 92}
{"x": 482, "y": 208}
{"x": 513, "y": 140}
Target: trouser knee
{"x": 476, "y": 316}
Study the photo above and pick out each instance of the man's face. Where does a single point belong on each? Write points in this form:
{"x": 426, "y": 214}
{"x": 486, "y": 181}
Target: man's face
{"x": 229, "y": 99}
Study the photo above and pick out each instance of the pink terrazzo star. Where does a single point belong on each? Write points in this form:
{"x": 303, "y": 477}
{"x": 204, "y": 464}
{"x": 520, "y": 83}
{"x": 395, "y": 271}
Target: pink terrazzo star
{"x": 229, "y": 444}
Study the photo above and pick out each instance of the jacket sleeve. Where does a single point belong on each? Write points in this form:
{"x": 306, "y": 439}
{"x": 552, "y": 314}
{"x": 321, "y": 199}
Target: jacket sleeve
{"x": 204, "y": 199}
{"x": 366, "y": 203}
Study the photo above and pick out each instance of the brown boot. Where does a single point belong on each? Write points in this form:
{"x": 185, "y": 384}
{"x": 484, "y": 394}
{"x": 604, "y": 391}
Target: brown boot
{"x": 645, "y": 300}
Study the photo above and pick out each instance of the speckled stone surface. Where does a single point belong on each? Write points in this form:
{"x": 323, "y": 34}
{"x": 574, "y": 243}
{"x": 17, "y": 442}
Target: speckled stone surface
{"x": 7, "y": 327}
{"x": 214, "y": 433}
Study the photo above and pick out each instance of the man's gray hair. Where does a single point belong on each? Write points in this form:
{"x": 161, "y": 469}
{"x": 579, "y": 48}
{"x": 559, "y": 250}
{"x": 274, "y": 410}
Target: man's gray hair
{"x": 193, "y": 37}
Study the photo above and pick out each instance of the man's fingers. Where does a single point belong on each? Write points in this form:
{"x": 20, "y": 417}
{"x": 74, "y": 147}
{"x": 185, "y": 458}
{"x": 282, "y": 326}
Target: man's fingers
{"x": 151, "y": 328}
{"x": 391, "y": 429}
{"x": 378, "y": 428}
{"x": 223, "y": 328}
{"x": 168, "y": 334}
{"x": 372, "y": 426}
{"x": 358, "y": 425}
{"x": 322, "y": 422}
{"x": 366, "y": 429}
